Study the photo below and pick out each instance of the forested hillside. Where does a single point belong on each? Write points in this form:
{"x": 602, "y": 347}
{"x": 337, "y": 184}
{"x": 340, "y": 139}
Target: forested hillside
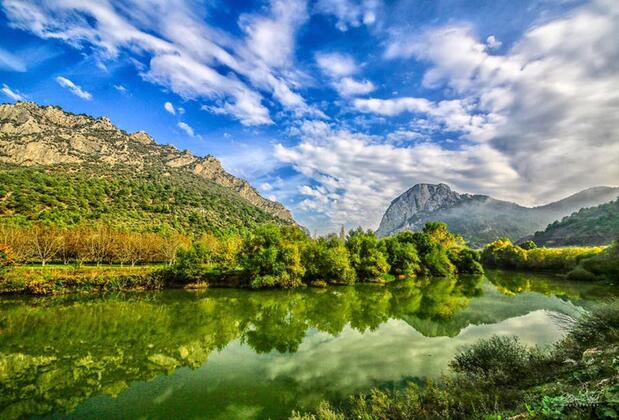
{"x": 592, "y": 226}
{"x": 148, "y": 200}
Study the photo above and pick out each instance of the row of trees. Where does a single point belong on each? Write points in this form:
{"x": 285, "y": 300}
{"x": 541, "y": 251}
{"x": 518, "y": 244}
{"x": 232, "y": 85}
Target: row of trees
{"x": 276, "y": 256}
{"x": 268, "y": 256}
{"x": 97, "y": 244}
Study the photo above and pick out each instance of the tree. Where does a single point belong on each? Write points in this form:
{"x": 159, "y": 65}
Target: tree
{"x": 402, "y": 255}
{"x": 271, "y": 258}
{"x": 45, "y": 242}
{"x": 172, "y": 243}
{"x": 367, "y": 255}
{"x": 433, "y": 254}
{"x": 327, "y": 259}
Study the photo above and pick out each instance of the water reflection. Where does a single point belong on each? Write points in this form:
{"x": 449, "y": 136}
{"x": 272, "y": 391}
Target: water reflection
{"x": 268, "y": 352}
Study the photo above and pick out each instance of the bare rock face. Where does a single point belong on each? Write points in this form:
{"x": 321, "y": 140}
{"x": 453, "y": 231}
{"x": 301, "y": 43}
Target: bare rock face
{"x": 420, "y": 198}
{"x": 47, "y": 135}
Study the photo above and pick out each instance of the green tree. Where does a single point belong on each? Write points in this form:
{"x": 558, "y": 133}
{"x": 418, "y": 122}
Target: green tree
{"x": 402, "y": 255}
{"x": 327, "y": 259}
{"x": 270, "y": 259}
{"x": 367, "y": 255}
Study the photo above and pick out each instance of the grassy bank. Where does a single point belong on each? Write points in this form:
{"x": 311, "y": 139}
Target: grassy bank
{"x": 502, "y": 378}
{"x": 57, "y": 279}
{"x": 578, "y": 263}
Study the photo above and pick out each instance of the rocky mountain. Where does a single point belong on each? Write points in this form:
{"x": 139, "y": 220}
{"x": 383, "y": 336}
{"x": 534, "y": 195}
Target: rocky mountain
{"x": 33, "y": 135}
{"x": 480, "y": 218}
{"x": 597, "y": 225}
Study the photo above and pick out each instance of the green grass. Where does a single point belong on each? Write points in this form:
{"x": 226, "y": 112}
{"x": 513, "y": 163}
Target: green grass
{"x": 61, "y": 279}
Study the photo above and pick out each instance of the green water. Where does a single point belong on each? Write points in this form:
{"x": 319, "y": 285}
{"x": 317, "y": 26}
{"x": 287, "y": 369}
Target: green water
{"x": 259, "y": 354}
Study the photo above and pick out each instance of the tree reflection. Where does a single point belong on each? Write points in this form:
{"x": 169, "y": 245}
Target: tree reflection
{"x": 58, "y": 351}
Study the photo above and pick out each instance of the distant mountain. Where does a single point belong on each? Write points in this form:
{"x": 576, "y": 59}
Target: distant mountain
{"x": 480, "y": 218}
{"x": 40, "y": 145}
{"x": 589, "y": 226}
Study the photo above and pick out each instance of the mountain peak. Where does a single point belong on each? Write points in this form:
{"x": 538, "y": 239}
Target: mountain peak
{"x": 31, "y": 134}
{"x": 420, "y": 198}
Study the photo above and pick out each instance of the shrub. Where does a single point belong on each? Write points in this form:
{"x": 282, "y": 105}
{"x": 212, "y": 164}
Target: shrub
{"x": 402, "y": 255}
{"x": 7, "y": 257}
{"x": 271, "y": 259}
{"x": 527, "y": 245}
{"x": 497, "y": 360}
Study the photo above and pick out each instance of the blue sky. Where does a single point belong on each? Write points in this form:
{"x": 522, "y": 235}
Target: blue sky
{"x": 336, "y": 107}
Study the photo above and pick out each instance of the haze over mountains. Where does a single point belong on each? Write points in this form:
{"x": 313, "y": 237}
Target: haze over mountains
{"x": 480, "y": 218}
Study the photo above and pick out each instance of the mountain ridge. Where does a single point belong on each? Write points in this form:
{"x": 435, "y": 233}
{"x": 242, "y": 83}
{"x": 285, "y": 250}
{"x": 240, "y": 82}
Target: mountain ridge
{"x": 481, "y": 218}
{"x": 35, "y": 135}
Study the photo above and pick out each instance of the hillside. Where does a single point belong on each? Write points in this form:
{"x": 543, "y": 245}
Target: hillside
{"x": 33, "y": 135}
{"x": 479, "y": 218}
{"x": 67, "y": 169}
{"x": 590, "y": 226}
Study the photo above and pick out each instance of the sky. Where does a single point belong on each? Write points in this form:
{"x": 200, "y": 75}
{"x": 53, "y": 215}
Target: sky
{"x": 336, "y": 107}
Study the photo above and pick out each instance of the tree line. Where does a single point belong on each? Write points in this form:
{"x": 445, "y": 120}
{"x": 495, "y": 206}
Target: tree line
{"x": 285, "y": 256}
{"x": 266, "y": 256}
{"x": 579, "y": 263}
{"x": 100, "y": 244}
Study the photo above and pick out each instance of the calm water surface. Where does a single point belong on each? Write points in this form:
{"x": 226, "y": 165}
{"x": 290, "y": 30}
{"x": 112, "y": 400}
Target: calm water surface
{"x": 229, "y": 354}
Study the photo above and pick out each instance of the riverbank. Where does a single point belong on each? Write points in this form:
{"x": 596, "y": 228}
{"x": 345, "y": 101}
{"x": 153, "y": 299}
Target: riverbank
{"x": 500, "y": 377}
{"x": 60, "y": 279}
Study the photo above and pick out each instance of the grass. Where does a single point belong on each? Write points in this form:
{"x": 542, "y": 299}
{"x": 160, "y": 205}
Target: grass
{"x": 59, "y": 279}
{"x": 501, "y": 378}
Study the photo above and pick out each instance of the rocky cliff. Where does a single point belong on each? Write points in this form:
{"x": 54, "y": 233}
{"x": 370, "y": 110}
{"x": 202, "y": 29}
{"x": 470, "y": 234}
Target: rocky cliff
{"x": 480, "y": 218}
{"x": 47, "y": 135}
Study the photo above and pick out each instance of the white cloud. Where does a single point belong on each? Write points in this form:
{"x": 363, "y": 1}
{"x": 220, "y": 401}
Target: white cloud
{"x": 339, "y": 67}
{"x": 227, "y": 74}
{"x": 272, "y": 38}
{"x": 186, "y": 128}
{"x": 265, "y": 186}
{"x": 493, "y": 43}
{"x": 11, "y": 62}
{"x": 336, "y": 64}
{"x": 13, "y": 94}
{"x": 543, "y": 105}
{"x": 359, "y": 175}
{"x": 349, "y": 13}
{"x": 551, "y": 101}
{"x": 73, "y": 88}
{"x": 170, "y": 108}
{"x": 121, "y": 89}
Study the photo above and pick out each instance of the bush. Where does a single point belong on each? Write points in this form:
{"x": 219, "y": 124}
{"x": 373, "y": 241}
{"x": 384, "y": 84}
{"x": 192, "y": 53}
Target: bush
{"x": 503, "y": 254}
{"x": 189, "y": 266}
{"x": 7, "y": 257}
{"x": 402, "y": 255}
{"x": 498, "y": 360}
{"x": 527, "y": 245}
